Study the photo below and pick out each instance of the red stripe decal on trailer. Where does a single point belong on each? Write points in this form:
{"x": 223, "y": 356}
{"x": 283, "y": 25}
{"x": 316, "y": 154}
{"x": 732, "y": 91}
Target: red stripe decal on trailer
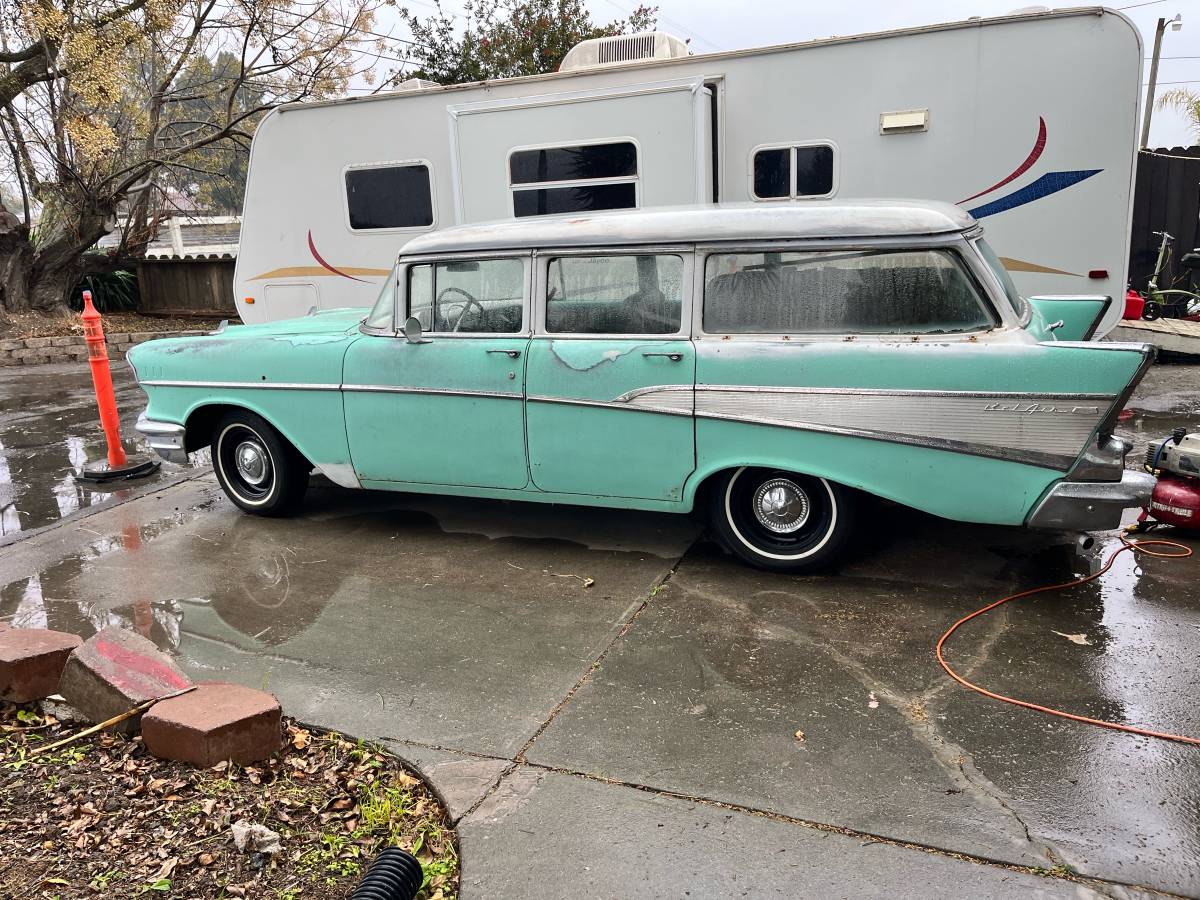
{"x": 1038, "y": 146}
{"x": 312, "y": 248}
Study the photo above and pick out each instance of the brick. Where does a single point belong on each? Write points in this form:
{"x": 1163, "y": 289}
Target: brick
{"x": 215, "y": 722}
{"x": 114, "y": 671}
{"x": 31, "y": 662}
{"x": 36, "y": 342}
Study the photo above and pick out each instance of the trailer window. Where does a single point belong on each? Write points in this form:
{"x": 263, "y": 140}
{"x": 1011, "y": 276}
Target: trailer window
{"x": 852, "y": 292}
{"x": 614, "y": 295}
{"x": 389, "y": 197}
{"x": 549, "y": 180}
{"x": 781, "y": 173}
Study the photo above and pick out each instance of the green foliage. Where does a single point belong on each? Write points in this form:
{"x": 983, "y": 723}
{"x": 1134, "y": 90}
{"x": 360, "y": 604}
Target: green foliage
{"x": 506, "y": 38}
{"x": 111, "y": 292}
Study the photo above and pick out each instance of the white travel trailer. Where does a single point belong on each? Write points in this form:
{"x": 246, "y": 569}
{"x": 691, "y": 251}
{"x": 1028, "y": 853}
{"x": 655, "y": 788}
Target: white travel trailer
{"x": 1028, "y": 122}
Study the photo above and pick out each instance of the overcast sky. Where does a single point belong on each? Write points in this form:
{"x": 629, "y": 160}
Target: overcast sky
{"x": 735, "y": 24}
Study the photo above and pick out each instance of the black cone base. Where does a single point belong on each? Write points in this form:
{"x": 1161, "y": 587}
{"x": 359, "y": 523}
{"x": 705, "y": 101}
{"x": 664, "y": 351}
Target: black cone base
{"x": 99, "y": 471}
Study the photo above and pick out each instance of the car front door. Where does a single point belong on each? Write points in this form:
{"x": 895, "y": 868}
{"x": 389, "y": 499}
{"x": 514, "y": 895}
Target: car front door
{"x": 447, "y": 409}
{"x": 612, "y": 331}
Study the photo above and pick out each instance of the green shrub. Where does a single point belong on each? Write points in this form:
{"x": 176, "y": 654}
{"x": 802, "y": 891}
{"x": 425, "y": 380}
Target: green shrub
{"x": 115, "y": 291}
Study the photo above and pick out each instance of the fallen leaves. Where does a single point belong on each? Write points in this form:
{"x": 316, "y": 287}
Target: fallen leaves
{"x": 109, "y": 816}
{"x": 1081, "y": 639}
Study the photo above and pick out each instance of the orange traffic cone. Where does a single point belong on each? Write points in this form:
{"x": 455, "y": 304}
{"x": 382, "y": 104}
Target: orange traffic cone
{"x": 118, "y": 465}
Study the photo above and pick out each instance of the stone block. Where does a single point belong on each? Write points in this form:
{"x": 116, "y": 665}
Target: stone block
{"x": 68, "y": 340}
{"x": 114, "y": 671}
{"x": 117, "y": 337}
{"x": 36, "y": 342}
{"x": 138, "y": 336}
{"x": 5, "y": 346}
{"x": 215, "y": 722}
{"x": 36, "y": 359}
{"x": 32, "y": 661}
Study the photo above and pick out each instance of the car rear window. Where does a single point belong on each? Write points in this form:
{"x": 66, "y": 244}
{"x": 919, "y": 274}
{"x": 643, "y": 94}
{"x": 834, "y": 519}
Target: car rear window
{"x": 851, "y": 292}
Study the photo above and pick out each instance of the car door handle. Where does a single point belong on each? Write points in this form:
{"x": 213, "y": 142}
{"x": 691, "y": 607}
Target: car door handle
{"x": 673, "y": 357}
{"x": 511, "y": 354}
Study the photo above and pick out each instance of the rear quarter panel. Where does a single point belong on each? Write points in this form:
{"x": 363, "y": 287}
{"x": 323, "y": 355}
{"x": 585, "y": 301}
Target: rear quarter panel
{"x": 843, "y": 424}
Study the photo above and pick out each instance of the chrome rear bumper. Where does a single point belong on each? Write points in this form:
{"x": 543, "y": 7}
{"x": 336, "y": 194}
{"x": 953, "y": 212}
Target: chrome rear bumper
{"x": 1091, "y": 505}
{"x": 164, "y": 438}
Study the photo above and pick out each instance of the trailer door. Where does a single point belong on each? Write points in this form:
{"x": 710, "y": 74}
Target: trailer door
{"x": 613, "y": 148}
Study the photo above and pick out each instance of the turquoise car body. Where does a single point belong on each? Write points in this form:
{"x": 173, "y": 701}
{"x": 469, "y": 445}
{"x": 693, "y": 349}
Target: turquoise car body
{"x": 643, "y": 422}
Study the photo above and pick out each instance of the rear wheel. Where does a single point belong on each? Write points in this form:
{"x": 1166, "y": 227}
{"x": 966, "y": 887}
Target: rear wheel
{"x": 781, "y": 521}
{"x": 259, "y": 471}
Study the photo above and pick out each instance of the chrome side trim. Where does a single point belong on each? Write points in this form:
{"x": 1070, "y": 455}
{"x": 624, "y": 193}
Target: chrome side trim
{"x": 617, "y": 404}
{"x": 862, "y": 392}
{"x": 262, "y": 385}
{"x": 1091, "y": 505}
{"x": 341, "y": 474}
{"x": 1054, "y": 461}
{"x": 441, "y": 392}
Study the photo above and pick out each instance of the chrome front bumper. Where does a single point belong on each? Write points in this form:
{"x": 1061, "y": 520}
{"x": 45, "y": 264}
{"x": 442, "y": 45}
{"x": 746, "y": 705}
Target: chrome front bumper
{"x": 1091, "y": 505}
{"x": 164, "y": 438}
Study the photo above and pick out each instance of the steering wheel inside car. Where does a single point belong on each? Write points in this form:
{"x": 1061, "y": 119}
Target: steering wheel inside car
{"x": 466, "y": 304}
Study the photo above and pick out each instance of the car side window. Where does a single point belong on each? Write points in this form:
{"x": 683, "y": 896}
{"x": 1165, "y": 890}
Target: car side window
{"x": 851, "y": 292}
{"x": 477, "y": 296}
{"x": 634, "y": 294}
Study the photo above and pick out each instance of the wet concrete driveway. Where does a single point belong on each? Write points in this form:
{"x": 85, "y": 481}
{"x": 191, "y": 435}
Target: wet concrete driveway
{"x": 683, "y": 724}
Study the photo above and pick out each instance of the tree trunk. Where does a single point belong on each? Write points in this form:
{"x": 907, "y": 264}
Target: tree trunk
{"x": 40, "y": 279}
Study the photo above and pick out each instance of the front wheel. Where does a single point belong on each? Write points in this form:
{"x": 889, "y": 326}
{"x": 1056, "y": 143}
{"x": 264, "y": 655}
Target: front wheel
{"x": 782, "y": 521}
{"x": 257, "y": 468}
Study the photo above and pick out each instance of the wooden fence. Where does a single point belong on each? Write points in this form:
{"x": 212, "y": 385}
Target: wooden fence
{"x": 1166, "y": 197}
{"x": 186, "y": 287}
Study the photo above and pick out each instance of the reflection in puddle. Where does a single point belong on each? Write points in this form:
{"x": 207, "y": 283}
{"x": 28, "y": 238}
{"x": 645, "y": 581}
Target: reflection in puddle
{"x": 48, "y": 429}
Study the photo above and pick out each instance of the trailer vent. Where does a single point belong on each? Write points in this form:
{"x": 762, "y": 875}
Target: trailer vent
{"x": 415, "y": 84}
{"x": 622, "y": 49}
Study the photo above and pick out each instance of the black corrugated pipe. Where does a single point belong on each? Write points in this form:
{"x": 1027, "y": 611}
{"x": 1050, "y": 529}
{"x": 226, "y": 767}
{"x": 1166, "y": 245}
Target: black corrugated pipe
{"x": 395, "y": 875}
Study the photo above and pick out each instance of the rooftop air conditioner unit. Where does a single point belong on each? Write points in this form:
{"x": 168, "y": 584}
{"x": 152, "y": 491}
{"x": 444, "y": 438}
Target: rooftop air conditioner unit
{"x": 622, "y": 49}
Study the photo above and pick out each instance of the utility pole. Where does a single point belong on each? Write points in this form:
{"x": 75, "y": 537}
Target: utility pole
{"x": 1175, "y": 23}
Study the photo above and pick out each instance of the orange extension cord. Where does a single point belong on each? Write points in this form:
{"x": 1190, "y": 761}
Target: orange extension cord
{"x": 1137, "y": 546}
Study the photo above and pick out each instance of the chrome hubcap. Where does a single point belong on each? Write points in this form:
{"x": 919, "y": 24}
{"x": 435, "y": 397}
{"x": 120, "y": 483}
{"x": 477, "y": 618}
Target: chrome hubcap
{"x": 781, "y": 506}
{"x": 252, "y": 462}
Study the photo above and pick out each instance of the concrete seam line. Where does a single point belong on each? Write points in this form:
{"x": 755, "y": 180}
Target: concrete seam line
{"x": 519, "y": 759}
{"x": 869, "y": 837}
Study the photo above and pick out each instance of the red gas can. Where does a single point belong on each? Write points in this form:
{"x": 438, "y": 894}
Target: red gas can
{"x": 1135, "y": 304}
{"x": 1176, "y": 501}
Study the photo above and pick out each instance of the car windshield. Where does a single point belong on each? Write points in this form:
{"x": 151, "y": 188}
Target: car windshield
{"x": 381, "y": 313}
{"x": 997, "y": 266}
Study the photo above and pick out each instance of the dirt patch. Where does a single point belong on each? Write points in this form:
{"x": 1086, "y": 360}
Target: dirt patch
{"x": 101, "y": 817}
{"x": 18, "y": 326}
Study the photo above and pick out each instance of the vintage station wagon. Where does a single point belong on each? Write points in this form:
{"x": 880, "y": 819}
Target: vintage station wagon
{"x": 768, "y": 366}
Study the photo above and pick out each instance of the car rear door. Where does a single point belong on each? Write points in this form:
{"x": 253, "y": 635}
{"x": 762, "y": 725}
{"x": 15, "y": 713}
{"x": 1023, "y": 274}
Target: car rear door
{"x": 611, "y": 331}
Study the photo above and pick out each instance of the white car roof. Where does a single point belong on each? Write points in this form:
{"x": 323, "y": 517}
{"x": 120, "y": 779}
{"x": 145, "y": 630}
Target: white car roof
{"x": 702, "y": 224}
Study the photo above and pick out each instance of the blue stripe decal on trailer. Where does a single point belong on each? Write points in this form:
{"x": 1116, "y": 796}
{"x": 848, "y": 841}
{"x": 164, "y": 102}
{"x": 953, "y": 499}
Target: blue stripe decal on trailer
{"x": 1050, "y": 183}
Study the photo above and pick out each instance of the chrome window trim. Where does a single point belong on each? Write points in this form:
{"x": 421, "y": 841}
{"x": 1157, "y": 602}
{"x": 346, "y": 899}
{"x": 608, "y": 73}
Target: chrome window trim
{"x": 406, "y": 264}
{"x": 542, "y": 259}
{"x": 998, "y": 296}
{"x": 955, "y": 247}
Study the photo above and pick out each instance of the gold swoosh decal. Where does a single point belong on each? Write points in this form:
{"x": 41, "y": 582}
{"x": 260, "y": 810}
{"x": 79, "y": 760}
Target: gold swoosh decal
{"x": 318, "y": 272}
{"x": 1020, "y": 265}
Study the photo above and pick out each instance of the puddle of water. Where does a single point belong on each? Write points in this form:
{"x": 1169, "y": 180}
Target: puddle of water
{"x": 49, "y": 428}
